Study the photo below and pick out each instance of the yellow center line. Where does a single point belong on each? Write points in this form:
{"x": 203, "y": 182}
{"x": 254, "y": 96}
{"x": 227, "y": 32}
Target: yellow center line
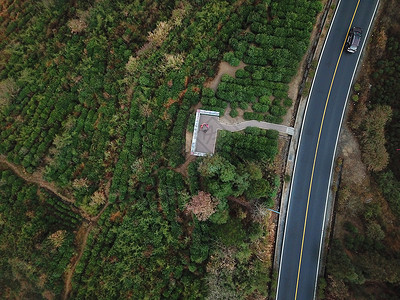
{"x": 316, "y": 151}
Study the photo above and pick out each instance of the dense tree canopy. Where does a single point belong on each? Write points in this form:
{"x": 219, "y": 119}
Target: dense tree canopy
{"x": 95, "y": 98}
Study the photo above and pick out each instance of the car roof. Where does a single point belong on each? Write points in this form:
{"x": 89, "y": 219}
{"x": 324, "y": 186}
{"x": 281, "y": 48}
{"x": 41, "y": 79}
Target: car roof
{"x": 356, "y": 40}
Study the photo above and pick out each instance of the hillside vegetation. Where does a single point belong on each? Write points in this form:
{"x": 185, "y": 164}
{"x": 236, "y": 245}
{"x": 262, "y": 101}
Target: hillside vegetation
{"x": 95, "y": 98}
{"x": 364, "y": 259}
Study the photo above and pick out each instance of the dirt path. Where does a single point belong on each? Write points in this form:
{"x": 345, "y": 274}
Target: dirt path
{"x": 223, "y": 68}
{"x": 36, "y": 178}
{"x": 81, "y": 239}
{"x": 183, "y": 167}
{"x": 87, "y": 224}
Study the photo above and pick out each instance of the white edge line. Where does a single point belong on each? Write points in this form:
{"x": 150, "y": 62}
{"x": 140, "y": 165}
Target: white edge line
{"x": 298, "y": 147}
{"x": 334, "y": 152}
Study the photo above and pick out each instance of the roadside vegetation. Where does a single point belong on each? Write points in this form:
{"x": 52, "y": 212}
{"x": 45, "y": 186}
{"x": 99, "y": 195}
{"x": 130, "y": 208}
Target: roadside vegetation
{"x": 364, "y": 256}
{"x": 95, "y": 98}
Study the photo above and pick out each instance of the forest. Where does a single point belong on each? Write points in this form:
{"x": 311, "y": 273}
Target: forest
{"x": 95, "y": 100}
{"x": 364, "y": 257}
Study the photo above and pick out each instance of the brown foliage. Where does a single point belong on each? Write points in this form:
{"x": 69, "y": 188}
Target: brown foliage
{"x": 81, "y": 183}
{"x": 172, "y": 61}
{"x": 57, "y": 238}
{"x": 170, "y": 102}
{"x": 202, "y": 206}
{"x": 373, "y": 140}
{"x": 116, "y": 217}
{"x": 76, "y": 25}
{"x": 79, "y": 24}
{"x": 336, "y": 289}
{"x": 98, "y": 198}
{"x": 8, "y": 89}
{"x": 132, "y": 64}
{"x": 158, "y": 35}
{"x": 145, "y": 110}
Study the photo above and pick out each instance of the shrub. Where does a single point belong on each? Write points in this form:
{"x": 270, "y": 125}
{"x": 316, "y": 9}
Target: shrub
{"x": 242, "y": 74}
{"x": 243, "y": 105}
{"x": 252, "y": 116}
{"x": 262, "y": 108}
{"x": 287, "y": 102}
{"x": 226, "y": 78}
{"x": 277, "y": 110}
{"x": 231, "y": 233}
{"x": 257, "y": 75}
{"x": 373, "y": 138}
{"x": 287, "y": 178}
{"x": 191, "y": 121}
{"x": 230, "y": 58}
{"x": 391, "y": 190}
{"x": 357, "y": 87}
{"x": 273, "y": 119}
{"x": 234, "y": 113}
{"x": 207, "y": 92}
{"x": 264, "y": 100}
{"x": 249, "y": 37}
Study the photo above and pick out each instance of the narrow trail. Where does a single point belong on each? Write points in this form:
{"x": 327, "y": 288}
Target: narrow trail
{"x": 81, "y": 242}
{"x": 183, "y": 167}
{"x": 87, "y": 224}
{"x": 36, "y": 178}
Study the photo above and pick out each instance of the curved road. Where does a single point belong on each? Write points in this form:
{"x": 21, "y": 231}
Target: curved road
{"x": 301, "y": 248}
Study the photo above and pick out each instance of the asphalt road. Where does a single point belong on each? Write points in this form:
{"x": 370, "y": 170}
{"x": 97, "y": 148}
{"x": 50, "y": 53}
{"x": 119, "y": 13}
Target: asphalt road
{"x": 311, "y": 179}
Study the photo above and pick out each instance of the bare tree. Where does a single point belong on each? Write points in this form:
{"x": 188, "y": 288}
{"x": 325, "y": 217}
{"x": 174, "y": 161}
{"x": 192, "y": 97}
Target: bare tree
{"x": 259, "y": 211}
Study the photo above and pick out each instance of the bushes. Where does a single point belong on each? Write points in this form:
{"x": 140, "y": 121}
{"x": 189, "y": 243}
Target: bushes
{"x": 37, "y": 239}
{"x": 341, "y": 266}
{"x": 231, "y": 59}
{"x": 252, "y": 116}
{"x": 391, "y": 190}
{"x": 233, "y": 113}
{"x": 261, "y": 108}
{"x": 373, "y": 140}
{"x": 231, "y": 233}
{"x": 242, "y": 74}
{"x": 276, "y": 47}
{"x": 255, "y": 144}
